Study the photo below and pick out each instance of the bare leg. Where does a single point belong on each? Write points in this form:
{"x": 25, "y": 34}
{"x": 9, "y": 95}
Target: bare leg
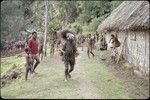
{"x": 42, "y": 55}
{"x": 92, "y": 53}
{"x": 66, "y": 70}
{"x": 35, "y": 65}
{"x": 82, "y": 47}
{"x": 88, "y": 53}
{"x": 72, "y": 63}
{"x": 53, "y": 50}
{"x": 27, "y": 71}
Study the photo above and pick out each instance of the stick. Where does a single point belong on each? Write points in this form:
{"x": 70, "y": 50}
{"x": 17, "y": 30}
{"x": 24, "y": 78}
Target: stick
{"x": 61, "y": 50}
{"x": 121, "y": 49}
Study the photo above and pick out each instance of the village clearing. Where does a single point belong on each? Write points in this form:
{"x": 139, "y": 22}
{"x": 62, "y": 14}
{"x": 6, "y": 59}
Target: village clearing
{"x": 92, "y": 78}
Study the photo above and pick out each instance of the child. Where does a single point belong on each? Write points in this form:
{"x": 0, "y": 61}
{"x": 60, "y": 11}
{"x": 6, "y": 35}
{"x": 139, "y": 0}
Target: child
{"x": 29, "y": 62}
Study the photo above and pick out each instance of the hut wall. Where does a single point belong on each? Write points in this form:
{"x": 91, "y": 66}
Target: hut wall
{"x": 136, "y": 48}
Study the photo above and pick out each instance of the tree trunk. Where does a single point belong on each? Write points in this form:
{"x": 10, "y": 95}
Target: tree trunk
{"x": 45, "y": 33}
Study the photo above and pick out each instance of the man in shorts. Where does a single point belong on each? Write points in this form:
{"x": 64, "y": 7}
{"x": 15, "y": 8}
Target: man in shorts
{"x": 34, "y": 45}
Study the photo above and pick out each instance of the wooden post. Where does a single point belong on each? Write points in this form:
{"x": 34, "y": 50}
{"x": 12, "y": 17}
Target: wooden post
{"x": 122, "y": 48}
{"x": 45, "y": 33}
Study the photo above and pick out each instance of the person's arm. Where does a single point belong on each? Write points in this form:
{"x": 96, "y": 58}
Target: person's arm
{"x": 64, "y": 47}
{"x": 39, "y": 45}
{"x": 76, "y": 51}
{"x": 110, "y": 40}
{"x": 75, "y": 48}
{"x": 29, "y": 43}
{"x": 27, "y": 60}
{"x": 113, "y": 40}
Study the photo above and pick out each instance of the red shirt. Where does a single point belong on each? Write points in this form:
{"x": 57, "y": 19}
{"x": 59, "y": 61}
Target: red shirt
{"x": 33, "y": 45}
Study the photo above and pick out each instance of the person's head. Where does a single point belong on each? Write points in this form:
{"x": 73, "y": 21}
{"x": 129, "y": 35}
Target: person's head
{"x": 34, "y": 34}
{"x": 92, "y": 37}
{"x": 112, "y": 36}
{"x": 70, "y": 36}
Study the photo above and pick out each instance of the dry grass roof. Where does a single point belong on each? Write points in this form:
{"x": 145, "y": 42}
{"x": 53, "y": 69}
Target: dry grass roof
{"x": 130, "y": 15}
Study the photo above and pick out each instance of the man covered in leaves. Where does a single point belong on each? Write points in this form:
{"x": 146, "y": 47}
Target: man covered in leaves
{"x": 68, "y": 53}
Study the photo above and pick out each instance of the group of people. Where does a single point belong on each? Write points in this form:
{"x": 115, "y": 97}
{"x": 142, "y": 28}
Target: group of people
{"x": 113, "y": 44}
{"x": 90, "y": 41}
{"x": 34, "y": 47}
{"x": 32, "y": 50}
{"x": 68, "y": 50}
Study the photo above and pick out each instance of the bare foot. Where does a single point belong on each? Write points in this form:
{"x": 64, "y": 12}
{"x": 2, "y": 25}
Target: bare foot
{"x": 65, "y": 80}
{"x": 35, "y": 72}
{"x": 69, "y": 75}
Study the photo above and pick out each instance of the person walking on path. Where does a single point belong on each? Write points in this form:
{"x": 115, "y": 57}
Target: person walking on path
{"x": 91, "y": 44}
{"x": 34, "y": 45}
{"x": 68, "y": 53}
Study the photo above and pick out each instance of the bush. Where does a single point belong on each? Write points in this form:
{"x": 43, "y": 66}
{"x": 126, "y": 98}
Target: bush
{"x": 2, "y": 43}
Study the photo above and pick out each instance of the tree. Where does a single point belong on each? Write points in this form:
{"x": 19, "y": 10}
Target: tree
{"x": 45, "y": 33}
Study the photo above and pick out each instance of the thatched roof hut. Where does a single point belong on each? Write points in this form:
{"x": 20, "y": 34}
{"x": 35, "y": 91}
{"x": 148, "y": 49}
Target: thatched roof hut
{"x": 130, "y": 22}
{"x": 130, "y": 15}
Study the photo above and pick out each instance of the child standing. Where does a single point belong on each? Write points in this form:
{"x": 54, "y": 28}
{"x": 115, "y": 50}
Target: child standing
{"x": 29, "y": 62}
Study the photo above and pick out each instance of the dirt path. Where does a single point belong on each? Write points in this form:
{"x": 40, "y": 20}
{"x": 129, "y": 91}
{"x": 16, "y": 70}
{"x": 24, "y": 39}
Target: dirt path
{"x": 78, "y": 85}
{"x": 86, "y": 89}
{"x": 91, "y": 79}
{"x": 78, "y": 80}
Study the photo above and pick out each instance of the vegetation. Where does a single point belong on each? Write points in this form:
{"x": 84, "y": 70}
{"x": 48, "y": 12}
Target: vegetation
{"x": 49, "y": 82}
{"x": 90, "y": 78}
{"x": 19, "y": 18}
{"x": 108, "y": 85}
{"x": 10, "y": 62}
{"x": 24, "y": 16}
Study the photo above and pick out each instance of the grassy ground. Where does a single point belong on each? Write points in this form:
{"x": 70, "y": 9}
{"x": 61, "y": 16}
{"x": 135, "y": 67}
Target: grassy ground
{"x": 90, "y": 79}
{"x": 8, "y": 62}
{"x": 47, "y": 84}
{"x": 106, "y": 83}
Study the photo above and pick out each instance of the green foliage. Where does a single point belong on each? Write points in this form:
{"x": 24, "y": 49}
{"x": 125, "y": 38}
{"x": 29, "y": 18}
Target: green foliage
{"x": 99, "y": 74}
{"x": 48, "y": 84}
{"x": 2, "y": 43}
{"x": 92, "y": 9}
{"x": 92, "y": 13}
{"x": 96, "y": 21}
{"x": 68, "y": 10}
{"x": 13, "y": 14}
{"x": 9, "y": 62}
{"x": 115, "y": 4}
{"x": 94, "y": 24}
{"x": 82, "y": 16}
{"x": 76, "y": 27}
{"x": 54, "y": 26}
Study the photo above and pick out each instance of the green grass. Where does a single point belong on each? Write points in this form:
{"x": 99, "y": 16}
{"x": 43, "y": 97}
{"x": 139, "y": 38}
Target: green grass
{"x": 8, "y": 62}
{"x": 106, "y": 83}
{"x": 48, "y": 83}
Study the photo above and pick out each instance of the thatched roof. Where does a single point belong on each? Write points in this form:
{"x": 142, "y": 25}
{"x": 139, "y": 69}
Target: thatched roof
{"x": 130, "y": 15}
